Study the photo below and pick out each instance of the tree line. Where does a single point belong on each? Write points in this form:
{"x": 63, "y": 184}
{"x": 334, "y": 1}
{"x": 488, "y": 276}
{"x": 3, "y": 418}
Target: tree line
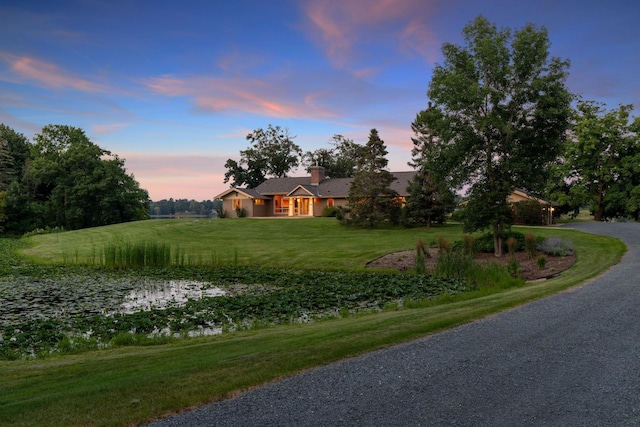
{"x": 499, "y": 117}
{"x": 184, "y": 207}
{"x": 63, "y": 180}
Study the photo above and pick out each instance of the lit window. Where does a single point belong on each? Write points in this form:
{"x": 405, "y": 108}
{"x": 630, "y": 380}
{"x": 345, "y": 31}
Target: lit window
{"x": 330, "y": 203}
{"x": 260, "y": 202}
{"x": 237, "y": 204}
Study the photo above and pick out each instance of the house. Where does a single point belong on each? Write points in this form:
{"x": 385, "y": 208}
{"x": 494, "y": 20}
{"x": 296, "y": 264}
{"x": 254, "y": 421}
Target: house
{"x": 298, "y": 196}
{"x": 539, "y": 212}
{"x": 546, "y": 207}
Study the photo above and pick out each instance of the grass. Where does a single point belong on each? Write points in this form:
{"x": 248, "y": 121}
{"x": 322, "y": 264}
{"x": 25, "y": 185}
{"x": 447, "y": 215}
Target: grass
{"x": 124, "y": 386}
{"x": 307, "y": 243}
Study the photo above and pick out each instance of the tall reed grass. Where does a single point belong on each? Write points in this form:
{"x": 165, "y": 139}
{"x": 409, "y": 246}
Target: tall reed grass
{"x": 120, "y": 254}
{"x": 457, "y": 265}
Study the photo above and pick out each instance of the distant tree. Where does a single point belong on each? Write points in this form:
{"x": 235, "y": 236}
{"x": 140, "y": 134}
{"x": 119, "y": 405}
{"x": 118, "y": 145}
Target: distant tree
{"x": 14, "y": 152}
{"x": 371, "y": 200}
{"x": 501, "y": 109}
{"x": 339, "y": 161}
{"x": 430, "y": 198}
{"x": 601, "y": 163}
{"x": 272, "y": 154}
{"x": 74, "y": 183}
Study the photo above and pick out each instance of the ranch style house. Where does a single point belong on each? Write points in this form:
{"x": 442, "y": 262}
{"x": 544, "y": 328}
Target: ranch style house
{"x": 298, "y": 196}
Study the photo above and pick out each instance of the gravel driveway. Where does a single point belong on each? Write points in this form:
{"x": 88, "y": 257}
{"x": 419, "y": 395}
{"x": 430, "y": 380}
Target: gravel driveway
{"x": 572, "y": 359}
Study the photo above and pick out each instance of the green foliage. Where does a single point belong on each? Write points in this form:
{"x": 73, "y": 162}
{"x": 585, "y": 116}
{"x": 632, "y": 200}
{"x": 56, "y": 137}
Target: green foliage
{"x": 541, "y": 261}
{"x": 528, "y": 212}
{"x": 270, "y": 296}
{"x": 430, "y": 198}
{"x": 500, "y": 109}
{"x": 272, "y": 153}
{"x": 371, "y": 200}
{"x": 421, "y": 257}
{"x": 600, "y": 165}
{"x": 70, "y": 182}
{"x": 339, "y": 161}
{"x": 513, "y": 267}
{"x": 485, "y": 243}
{"x": 330, "y": 211}
{"x": 241, "y": 212}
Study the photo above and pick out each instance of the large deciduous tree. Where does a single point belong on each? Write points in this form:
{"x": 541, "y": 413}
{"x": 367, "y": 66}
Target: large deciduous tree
{"x": 272, "y": 154}
{"x": 501, "y": 109}
{"x": 339, "y": 161}
{"x": 371, "y": 200}
{"x": 602, "y": 162}
{"x": 74, "y": 183}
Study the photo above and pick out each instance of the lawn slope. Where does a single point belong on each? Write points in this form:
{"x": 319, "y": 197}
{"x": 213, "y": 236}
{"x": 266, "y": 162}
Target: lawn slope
{"x": 124, "y": 386}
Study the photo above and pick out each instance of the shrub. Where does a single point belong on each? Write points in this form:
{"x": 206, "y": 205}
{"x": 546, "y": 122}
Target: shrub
{"x": 484, "y": 243}
{"x": 542, "y": 261}
{"x": 556, "y": 246}
{"x": 513, "y": 267}
{"x": 241, "y": 212}
{"x": 330, "y": 211}
{"x": 222, "y": 213}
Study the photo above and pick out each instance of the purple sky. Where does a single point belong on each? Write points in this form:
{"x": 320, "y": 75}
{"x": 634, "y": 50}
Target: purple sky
{"x": 174, "y": 87}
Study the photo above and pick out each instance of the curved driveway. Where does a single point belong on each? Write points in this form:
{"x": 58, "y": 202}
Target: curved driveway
{"x": 572, "y": 359}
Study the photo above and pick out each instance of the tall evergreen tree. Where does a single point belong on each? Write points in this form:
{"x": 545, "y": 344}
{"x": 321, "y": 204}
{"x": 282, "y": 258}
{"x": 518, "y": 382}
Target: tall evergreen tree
{"x": 370, "y": 198}
{"x": 430, "y": 198}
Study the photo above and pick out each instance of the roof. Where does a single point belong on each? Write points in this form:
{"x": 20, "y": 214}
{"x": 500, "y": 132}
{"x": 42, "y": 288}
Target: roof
{"x": 249, "y": 192}
{"x": 273, "y": 186}
{"x": 327, "y": 188}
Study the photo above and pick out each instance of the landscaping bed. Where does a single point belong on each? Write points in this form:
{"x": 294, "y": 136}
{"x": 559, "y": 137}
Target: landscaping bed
{"x": 529, "y": 269}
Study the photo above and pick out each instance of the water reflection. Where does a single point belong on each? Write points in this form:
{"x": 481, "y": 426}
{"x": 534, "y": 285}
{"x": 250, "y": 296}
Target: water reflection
{"x": 160, "y": 295}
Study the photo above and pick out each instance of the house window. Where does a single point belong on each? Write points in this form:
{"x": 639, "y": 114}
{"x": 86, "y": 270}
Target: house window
{"x": 259, "y": 202}
{"x": 280, "y": 205}
{"x": 237, "y": 204}
{"x": 330, "y": 203}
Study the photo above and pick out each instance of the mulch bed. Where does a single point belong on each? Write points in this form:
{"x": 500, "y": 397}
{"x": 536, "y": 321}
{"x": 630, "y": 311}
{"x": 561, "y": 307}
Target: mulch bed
{"x": 405, "y": 260}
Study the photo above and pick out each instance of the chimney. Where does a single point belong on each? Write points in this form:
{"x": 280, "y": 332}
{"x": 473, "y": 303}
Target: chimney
{"x": 317, "y": 174}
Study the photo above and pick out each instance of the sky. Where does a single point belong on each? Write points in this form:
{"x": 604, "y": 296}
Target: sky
{"x": 175, "y": 87}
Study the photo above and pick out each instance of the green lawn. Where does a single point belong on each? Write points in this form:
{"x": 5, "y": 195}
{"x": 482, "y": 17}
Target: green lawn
{"x": 125, "y": 386}
{"x": 309, "y": 243}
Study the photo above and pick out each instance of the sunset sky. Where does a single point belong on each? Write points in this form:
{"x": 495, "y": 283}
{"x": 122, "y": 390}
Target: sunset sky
{"x": 174, "y": 87}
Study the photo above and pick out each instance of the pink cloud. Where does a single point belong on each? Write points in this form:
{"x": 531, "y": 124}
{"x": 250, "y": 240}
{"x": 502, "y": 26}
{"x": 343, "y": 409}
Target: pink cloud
{"x": 48, "y": 74}
{"x": 341, "y": 25}
{"x": 271, "y": 96}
